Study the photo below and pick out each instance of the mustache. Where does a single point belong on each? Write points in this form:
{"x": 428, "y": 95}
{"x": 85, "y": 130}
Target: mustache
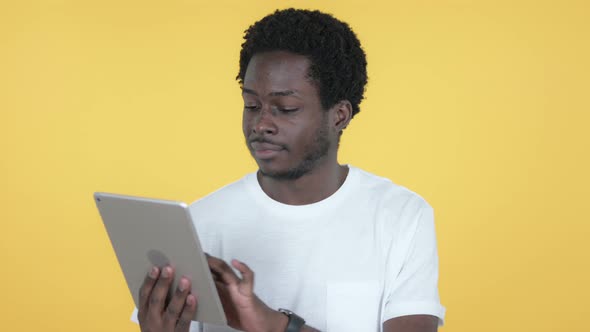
{"x": 258, "y": 139}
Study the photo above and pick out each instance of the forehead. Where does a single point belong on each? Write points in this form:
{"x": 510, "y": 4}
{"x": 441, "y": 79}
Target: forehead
{"x": 278, "y": 71}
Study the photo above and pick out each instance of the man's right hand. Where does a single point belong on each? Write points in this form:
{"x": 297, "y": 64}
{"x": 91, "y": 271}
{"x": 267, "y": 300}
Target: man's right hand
{"x": 155, "y": 315}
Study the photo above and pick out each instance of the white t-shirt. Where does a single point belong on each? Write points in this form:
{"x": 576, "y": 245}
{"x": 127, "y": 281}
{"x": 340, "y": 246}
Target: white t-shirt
{"x": 350, "y": 262}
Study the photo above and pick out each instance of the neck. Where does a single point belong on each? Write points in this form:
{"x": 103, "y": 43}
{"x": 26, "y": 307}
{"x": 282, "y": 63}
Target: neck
{"x": 320, "y": 183}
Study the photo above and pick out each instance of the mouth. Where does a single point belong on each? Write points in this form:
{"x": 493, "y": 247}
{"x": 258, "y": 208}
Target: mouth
{"x": 264, "y": 150}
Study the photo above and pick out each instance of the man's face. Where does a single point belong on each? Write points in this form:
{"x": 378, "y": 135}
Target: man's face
{"x": 285, "y": 127}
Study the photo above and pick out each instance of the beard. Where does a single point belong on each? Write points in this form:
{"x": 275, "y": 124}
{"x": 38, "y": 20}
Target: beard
{"x": 315, "y": 152}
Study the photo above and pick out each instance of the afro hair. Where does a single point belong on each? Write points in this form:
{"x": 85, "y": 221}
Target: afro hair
{"x": 338, "y": 62}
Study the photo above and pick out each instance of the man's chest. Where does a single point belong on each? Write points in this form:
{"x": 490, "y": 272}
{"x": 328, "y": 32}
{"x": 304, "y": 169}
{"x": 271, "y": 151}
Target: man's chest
{"x": 332, "y": 276}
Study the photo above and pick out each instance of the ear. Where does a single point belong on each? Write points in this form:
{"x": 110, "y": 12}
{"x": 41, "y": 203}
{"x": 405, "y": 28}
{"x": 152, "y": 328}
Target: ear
{"x": 342, "y": 114}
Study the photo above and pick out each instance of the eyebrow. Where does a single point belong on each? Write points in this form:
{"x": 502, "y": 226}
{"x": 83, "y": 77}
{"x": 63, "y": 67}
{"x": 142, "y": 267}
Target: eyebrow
{"x": 272, "y": 94}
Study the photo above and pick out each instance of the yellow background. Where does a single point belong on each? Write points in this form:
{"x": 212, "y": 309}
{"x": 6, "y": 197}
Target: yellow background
{"x": 481, "y": 107}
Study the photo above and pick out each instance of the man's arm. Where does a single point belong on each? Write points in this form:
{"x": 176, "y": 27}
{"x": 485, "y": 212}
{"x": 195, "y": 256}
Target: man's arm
{"x": 412, "y": 323}
{"x": 413, "y": 297}
{"x": 281, "y": 321}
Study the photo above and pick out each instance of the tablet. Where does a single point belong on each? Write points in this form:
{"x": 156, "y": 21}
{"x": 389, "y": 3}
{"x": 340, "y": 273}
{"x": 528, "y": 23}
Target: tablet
{"x": 150, "y": 232}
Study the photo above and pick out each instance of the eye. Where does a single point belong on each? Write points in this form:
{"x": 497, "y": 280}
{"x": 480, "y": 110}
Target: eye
{"x": 251, "y": 107}
{"x": 288, "y": 110}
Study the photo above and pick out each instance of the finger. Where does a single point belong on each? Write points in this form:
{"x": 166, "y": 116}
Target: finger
{"x": 221, "y": 289}
{"x": 215, "y": 275}
{"x": 247, "y": 273}
{"x": 188, "y": 312}
{"x": 145, "y": 291}
{"x": 174, "y": 308}
{"x": 157, "y": 299}
{"x": 226, "y": 301}
{"x": 223, "y": 271}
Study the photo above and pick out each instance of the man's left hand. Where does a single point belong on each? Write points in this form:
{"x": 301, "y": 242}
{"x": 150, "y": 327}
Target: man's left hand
{"x": 244, "y": 310}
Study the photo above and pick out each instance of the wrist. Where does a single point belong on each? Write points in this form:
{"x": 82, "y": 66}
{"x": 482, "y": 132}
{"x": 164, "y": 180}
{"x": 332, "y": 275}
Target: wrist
{"x": 277, "y": 321}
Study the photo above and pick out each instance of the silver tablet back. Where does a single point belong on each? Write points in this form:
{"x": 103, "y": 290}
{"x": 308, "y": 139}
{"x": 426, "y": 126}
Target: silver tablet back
{"x": 146, "y": 232}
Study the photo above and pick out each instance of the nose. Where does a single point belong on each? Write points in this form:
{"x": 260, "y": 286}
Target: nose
{"x": 264, "y": 123}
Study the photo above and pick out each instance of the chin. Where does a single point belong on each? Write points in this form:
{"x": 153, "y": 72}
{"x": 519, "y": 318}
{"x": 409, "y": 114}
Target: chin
{"x": 267, "y": 169}
{"x": 283, "y": 173}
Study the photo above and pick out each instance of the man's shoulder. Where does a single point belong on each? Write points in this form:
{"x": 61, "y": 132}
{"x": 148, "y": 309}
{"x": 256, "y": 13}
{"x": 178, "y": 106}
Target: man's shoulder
{"x": 231, "y": 193}
{"x": 387, "y": 191}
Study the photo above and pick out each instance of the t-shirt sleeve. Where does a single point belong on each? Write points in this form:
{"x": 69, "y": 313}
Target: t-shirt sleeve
{"x": 413, "y": 287}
